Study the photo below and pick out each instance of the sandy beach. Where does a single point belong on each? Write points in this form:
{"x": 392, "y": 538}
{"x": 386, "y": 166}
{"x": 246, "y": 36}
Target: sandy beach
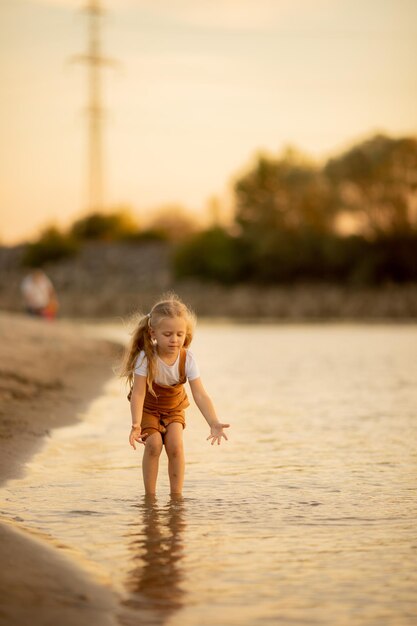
{"x": 49, "y": 372}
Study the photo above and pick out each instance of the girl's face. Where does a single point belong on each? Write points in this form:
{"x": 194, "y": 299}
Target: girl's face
{"x": 170, "y": 336}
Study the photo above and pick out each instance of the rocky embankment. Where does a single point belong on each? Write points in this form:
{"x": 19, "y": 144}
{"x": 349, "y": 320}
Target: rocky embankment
{"x": 117, "y": 279}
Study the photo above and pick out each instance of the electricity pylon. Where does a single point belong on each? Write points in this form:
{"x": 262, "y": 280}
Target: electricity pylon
{"x": 95, "y": 61}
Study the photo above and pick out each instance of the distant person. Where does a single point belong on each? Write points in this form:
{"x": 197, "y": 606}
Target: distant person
{"x": 157, "y": 364}
{"x": 39, "y": 295}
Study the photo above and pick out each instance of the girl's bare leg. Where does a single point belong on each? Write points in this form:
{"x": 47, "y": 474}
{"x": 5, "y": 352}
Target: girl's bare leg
{"x": 150, "y": 462}
{"x": 175, "y": 451}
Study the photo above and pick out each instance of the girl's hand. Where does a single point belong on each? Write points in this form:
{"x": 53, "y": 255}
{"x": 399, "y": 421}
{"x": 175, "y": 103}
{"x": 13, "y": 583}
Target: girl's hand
{"x": 136, "y": 435}
{"x": 217, "y": 433}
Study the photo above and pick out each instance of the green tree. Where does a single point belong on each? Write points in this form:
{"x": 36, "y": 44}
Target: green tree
{"x": 52, "y": 246}
{"x": 376, "y": 182}
{"x": 283, "y": 208}
{"x": 212, "y": 255}
{"x": 285, "y": 194}
{"x": 105, "y": 227}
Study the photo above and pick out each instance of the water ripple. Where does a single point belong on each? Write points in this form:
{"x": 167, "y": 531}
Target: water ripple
{"x": 305, "y": 517}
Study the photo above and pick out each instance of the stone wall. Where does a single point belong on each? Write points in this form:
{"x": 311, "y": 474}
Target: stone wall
{"x": 102, "y": 280}
{"x": 115, "y": 280}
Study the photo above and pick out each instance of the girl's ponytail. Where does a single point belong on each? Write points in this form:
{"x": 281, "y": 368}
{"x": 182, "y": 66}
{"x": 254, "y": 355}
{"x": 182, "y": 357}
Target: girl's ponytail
{"x": 141, "y": 340}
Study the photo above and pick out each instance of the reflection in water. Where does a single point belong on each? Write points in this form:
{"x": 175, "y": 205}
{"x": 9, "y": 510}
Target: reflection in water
{"x": 306, "y": 517}
{"x": 156, "y": 545}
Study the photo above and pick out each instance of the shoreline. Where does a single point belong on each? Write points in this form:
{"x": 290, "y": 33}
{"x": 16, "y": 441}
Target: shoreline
{"x": 50, "y": 372}
{"x": 270, "y": 321}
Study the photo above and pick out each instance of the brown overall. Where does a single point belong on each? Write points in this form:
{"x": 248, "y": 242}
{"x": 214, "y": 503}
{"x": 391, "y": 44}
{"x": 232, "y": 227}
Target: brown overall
{"x": 168, "y": 406}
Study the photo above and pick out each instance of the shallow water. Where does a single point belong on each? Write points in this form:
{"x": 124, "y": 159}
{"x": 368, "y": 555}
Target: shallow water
{"x": 307, "y": 515}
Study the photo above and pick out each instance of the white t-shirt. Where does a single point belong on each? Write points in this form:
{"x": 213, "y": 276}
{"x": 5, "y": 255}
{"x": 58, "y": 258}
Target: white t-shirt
{"x": 168, "y": 374}
{"x": 36, "y": 290}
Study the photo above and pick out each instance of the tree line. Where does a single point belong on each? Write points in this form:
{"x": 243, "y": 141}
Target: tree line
{"x": 351, "y": 219}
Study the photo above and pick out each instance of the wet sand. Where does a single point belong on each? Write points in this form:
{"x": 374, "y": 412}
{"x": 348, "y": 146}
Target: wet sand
{"x": 49, "y": 372}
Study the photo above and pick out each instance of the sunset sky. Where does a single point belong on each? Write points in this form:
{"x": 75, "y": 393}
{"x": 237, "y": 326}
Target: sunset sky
{"x": 201, "y": 87}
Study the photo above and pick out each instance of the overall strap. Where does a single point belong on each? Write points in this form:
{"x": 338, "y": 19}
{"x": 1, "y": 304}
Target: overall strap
{"x": 181, "y": 366}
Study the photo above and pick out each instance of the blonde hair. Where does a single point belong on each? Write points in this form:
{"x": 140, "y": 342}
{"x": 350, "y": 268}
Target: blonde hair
{"x": 171, "y": 306}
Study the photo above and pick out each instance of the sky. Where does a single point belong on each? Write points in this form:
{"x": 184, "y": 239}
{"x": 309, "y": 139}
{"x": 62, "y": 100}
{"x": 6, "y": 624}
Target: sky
{"x": 200, "y": 88}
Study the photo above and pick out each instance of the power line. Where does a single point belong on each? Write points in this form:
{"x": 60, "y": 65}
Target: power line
{"x": 95, "y": 61}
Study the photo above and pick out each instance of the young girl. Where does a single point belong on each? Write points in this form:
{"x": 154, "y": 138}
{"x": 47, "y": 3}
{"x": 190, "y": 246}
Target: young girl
{"x": 157, "y": 364}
